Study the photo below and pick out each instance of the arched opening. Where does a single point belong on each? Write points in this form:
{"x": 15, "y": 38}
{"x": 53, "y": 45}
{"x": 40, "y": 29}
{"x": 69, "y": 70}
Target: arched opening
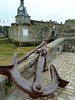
{"x": 52, "y": 33}
{"x": 52, "y": 37}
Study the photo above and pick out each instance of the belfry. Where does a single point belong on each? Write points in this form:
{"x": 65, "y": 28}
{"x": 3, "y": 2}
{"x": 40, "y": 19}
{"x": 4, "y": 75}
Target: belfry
{"x": 22, "y": 15}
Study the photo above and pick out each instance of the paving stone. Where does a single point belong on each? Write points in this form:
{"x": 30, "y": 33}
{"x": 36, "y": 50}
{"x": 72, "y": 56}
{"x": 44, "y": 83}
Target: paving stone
{"x": 62, "y": 95}
{"x": 71, "y": 97}
{"x": 60, "y": 98}
{"x": 67, "y": 93}
{"x": 53, "y": 96}
{"x": 44, "y": 98}
{"x": 69, "y": 90}
{"x": 70, "y": 87}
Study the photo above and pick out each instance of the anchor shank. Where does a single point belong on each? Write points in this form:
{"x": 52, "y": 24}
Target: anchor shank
{"x": 37, "y": 85}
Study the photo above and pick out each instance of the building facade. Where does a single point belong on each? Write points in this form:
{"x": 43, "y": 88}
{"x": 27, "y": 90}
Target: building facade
{"x": 31, "y": 32}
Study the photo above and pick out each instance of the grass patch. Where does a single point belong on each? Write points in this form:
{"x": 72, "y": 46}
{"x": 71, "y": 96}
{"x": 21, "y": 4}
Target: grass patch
{"x": 8, "y": 48}
{"x": 9, "y": 84}
{"x": 6, "y": 90}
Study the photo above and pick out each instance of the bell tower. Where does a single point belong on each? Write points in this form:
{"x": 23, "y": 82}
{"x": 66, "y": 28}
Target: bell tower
{"x": 22, "y": 15}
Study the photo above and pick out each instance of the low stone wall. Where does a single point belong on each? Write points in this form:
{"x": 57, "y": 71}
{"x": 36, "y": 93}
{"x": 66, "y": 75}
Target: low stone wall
{"x": 27, "y": 67}
{"x": 67, "y": 35}
{"x": 69, "y": 44}
{"x": 54, "y": 49}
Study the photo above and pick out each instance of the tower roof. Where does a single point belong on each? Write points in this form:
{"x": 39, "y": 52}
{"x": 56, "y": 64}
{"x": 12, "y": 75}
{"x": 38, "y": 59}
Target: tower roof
{"x": 21, "y": 9}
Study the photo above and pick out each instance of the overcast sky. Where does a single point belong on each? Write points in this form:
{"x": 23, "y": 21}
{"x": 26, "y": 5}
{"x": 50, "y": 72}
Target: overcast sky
{"x": 56, "y": 10}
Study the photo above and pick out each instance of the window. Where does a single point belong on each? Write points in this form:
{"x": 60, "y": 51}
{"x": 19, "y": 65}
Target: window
{"x": 26, "y": 18}
{"x": 53, "y": 27}
{"x": 23, "y": 18}
{"x": 25, "y": 32}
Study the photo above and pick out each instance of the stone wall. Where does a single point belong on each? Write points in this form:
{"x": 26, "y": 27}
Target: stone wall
{"x": 0, "y": 30}
{"x": 21, "y": 19}
{"x": 37, "y": 31}
{"x": 69, "y": 44}
{"x": 54, "y": 49}
{"x": 70, "y": 23}
{"x": 27, "y": 68}
{"x": 4, "y": 31}
{"x": 15, "y": 33}
{"x": 67, "y": 35}
{"x": 44, "y": 22}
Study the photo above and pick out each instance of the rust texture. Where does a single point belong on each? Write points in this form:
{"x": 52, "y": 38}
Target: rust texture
{"x": 34, "y": 89}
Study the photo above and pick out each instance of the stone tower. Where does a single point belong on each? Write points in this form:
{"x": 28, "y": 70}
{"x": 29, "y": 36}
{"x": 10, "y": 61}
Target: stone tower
{"x": 22, "y": 15}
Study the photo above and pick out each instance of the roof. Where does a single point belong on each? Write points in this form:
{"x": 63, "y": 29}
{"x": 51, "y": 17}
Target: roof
{"x": 22, "y": 10}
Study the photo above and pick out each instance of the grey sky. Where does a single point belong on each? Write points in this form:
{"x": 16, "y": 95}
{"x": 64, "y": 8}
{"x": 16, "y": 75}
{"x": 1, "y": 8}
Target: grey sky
{"x": 56, "y": 10}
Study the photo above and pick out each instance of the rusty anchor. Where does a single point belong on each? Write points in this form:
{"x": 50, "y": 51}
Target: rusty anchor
{"x": 35, "y": 89}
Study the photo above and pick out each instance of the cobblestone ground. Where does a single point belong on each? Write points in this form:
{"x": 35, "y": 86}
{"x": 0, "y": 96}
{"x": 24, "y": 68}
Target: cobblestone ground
{"x": 65, "y": 65}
